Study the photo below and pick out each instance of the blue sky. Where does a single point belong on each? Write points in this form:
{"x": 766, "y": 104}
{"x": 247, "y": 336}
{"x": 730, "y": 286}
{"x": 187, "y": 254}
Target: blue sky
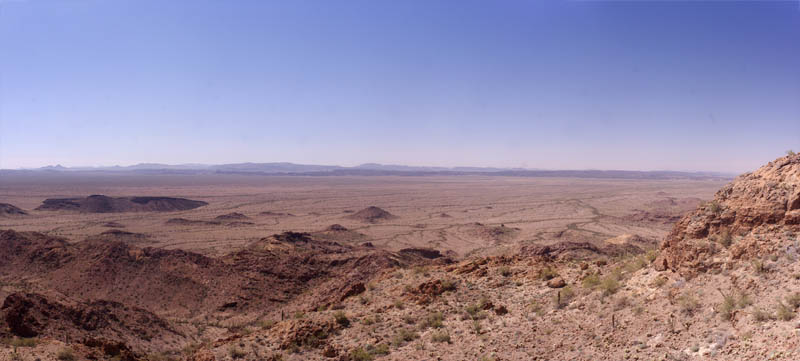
{"x": 642, "y": 85}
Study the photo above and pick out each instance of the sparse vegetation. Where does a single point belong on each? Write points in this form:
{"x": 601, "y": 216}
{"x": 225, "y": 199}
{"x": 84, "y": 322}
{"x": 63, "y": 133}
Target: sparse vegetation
{"x": 564, "y": 297}
{"x": 380, "y": 349}
{"x": 403, "y": 336}
{"x": 440, "y": 336}
{"x": 433, "y": 320}
{"x": 688, "y": 303}
{"x": 236, "y": 353}
{"x": 505, "y": 271}
{"x": 547, "y": 273}
{"x": 341, "y": 318}
{"x": 793, "y": 300}
{"x": 609, "y": 285}
{"x": 360, "y": 354}
{"x": 21, "y": 342}
{"x": 66, "y": 354}
{"x": 784, "y": 312}
{"x": 759, "y": 266}
{"x": 725, "y": 238}
{"x": 714, "y": 207}
{"x": 761, "y": 315}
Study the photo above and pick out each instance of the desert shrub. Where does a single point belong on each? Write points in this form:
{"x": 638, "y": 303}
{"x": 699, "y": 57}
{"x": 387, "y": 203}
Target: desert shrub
{"x": 440, "y": 336}
{"x": 635, "y": 264}
{"x": 660, "y": 281}
{"x": 547, "y": 273}
{"x": 564, "y": 297}
{"x": 790, "y": 152}
{"x": 651, "y": 255}
{"x": 621, "y": 303}
{"x": 398, "y": 304}
{"x": 360, "y": 354}
{"x": 368, "y": 321}
{"x": 759, "y": 266}
{"x": 784, "y": 312}
{"x": 537, "y": 308}
{"x": 20, "y": 342}
{"x": 609, "y": 285}
{"x": 761, "y": 315}
{"x": 714, "y": 207}
{"x": 266, "y": 324}
{"x": 65, "y": 354}
{"x": 433, "y": 320}
{"x": 402, "y": 336}
{"x": 591, "y": 281}
{"x": 341, "y": 318}
{"x": 475, "y": 312}
{"x": 727, "y": 308}
{"x": 725, "y": 239}
{"x": 793, "y": 300}
{"x": 505, "y": 271}
{"x": 448, "y": 285}
{"x": 476, "y": 327}
{"x": 236, "y": 353}
{"x": 379, "y": 349}
{"x": 688, "y": 303}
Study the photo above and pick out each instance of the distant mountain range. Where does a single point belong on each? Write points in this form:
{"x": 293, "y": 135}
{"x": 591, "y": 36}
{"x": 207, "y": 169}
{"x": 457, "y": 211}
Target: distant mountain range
{"x": 369, "y": 169}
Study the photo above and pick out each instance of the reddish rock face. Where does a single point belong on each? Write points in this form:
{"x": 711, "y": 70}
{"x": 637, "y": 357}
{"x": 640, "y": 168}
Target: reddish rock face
{"x": 745, "y": 212}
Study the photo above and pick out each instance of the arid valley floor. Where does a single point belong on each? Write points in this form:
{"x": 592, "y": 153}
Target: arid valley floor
{"x": 459, "y": 214}
{"x": 398, "y": 268}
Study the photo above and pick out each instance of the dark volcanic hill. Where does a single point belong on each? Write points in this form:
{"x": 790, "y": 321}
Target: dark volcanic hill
{"x": 372, "y": 214}
{"x": 114, "y": 329}
{"x": 105, "y": 204}
{"x": 271, "y": 271}
{"x": 11, "y": 210}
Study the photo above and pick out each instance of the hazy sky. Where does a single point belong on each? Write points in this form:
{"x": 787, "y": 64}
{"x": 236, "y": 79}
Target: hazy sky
{"x": 679, "y": 85}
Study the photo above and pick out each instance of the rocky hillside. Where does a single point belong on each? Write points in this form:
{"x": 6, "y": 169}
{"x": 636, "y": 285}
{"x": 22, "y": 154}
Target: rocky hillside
{"x": 752, "y": 215}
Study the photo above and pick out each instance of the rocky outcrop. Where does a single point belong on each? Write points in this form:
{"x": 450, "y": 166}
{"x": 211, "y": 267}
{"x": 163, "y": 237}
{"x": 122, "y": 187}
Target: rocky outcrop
{"x": 752, "y": 216}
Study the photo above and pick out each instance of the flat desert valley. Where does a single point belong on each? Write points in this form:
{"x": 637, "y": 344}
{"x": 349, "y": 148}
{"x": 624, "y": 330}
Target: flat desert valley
{"x": 464, "y": 215}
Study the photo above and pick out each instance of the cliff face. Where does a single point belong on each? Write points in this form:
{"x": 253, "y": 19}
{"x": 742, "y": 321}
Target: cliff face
{"x": 755, "y": 215}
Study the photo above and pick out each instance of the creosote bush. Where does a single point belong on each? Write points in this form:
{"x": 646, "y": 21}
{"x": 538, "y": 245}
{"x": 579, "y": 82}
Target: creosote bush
{"x": 688, "y": 303}
{"x": 341, "y": 318}
{"x": 564, "y": 296}
{"x": 547, "y": 273}
{"x": 360, "y": 354}
{"x": 761, "y": 315}
{"x": 403, "y": 336}
{"x": 432, "y": 320}
{"x": 66, "y": 354}
{"x": 784, "y": 312}
{"x": 440, "y": 336}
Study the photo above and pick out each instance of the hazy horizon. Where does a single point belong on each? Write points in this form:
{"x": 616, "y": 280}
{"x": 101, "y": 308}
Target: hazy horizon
{"x": 562, "y": 85}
